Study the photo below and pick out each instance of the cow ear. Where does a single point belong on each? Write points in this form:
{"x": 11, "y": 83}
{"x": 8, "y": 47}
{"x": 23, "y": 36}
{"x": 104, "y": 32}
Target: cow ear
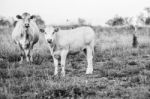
{"x": 42, "y": 30}
{"x": 56, "y": 30}
{"x": 32, "y": 17}
{"x": 19, "y": 17}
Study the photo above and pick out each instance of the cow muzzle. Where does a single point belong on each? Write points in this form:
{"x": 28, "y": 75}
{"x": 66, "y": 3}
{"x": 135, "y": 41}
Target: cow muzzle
{"x": 27, "y": 25}
{"x": 49, "y": 41}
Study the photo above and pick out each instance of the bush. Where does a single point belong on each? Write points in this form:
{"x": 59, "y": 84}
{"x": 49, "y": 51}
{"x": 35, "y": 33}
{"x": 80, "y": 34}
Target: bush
{"x": 116, "y": 21}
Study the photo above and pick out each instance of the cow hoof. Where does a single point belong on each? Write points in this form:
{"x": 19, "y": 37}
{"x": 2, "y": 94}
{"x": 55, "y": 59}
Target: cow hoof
{"x": 89, "y": 72}
{"x": 56, "y": 73}
{"x": 27, "y": 60}
{"x": 20, "y": 62}
{"x": 63, "y": 75}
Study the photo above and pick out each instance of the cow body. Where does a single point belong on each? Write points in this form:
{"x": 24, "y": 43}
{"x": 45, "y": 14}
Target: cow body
{"x": 63, "y": 41}
{"x": 26, "y": 34}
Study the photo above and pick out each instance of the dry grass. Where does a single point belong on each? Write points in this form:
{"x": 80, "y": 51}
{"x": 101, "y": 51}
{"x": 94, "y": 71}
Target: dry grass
{"x": 120, "y": 71}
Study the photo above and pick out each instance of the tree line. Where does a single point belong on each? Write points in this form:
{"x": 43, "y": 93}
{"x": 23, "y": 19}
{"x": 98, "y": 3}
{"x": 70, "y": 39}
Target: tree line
{"x": 115, "y": 21}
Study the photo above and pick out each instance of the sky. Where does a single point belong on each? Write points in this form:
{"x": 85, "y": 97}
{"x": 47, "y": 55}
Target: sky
{"x": 96, "y": 12}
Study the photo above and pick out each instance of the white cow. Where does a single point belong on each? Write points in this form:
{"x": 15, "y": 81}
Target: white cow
{"x": 62, "y": 41}
{"x": 26, "y": 34}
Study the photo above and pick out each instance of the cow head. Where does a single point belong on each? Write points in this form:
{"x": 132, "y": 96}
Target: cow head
{"x": 26, "y": 19}
{"x": 49, "y": 33}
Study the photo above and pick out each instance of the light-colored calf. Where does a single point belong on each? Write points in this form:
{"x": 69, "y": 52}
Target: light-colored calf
{"x": 62, "y": 41}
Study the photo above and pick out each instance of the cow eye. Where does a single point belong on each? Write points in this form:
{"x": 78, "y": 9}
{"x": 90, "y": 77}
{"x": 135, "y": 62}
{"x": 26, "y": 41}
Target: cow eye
{"x": 53, "y": 33}
{"x": 44, "y": 32}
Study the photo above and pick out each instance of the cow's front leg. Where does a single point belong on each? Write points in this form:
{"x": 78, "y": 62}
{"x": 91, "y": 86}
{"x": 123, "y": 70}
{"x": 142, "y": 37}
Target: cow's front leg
{"x": 31, "y": 53}
{"x": 55, "y": 65}
{"x": 22, "y": 54}
{"x": 63, "y": 60}
{"x": 31, "y": 56}
{"x": 27, "y": 54}
{"x": 89, "y": 61}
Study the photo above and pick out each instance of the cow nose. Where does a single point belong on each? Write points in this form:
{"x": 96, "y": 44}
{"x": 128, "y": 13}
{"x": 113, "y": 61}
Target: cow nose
{"x": 26, "y": 25}
{"x": 49, "y": 40}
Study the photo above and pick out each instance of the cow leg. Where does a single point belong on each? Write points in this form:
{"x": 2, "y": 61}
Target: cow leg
{"x": 27, "y": 54}
{"x": 31, "y": 56}
{"x": 63, "y": 60}
{"x": 89, "y": 60}
{"x": 22, "y": 55}
{"x": 56, "y": 65}
{"x": 31, "y": 53}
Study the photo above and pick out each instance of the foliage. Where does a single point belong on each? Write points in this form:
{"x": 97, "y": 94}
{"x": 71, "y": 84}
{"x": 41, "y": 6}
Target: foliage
{"x": 147, "y": 21}
{"x": 39, "y": 20}
{"x": 4, "y": 21}
{"x": 117, "y": 21}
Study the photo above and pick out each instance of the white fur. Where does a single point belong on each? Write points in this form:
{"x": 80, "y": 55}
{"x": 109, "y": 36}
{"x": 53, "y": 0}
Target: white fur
{"x": 71, "y": 40}
{"x": 21, "y": 41}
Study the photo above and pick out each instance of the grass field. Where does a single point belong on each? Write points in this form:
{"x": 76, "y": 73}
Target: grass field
{"x": 120, "y": 71}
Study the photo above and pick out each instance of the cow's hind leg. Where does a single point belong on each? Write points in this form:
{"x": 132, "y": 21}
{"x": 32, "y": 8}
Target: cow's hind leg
{"x": 63, "y": 61}
{"x": 89, "y": 60}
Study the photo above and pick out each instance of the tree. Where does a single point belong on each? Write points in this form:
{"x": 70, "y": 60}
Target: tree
{"x": 147, "y": 19}
{"x": 4, "y": 21}
{"x": 141, "y": 19}
{"x": 109, "y": 22}
{"x": 147, "y": 9}
{"x": 116, "y": 21}
{"x": 39, "y": 20}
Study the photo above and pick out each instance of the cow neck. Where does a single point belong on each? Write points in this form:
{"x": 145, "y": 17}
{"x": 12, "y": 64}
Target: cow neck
{"x": 26, "y": 31}
{"x": 56, "y": 38}
{"x": 54, "y": 48}
{"x": 54, "y": 45}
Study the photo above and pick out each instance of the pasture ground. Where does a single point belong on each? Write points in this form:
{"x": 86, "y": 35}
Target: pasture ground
{"x": 120, "y": 71}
